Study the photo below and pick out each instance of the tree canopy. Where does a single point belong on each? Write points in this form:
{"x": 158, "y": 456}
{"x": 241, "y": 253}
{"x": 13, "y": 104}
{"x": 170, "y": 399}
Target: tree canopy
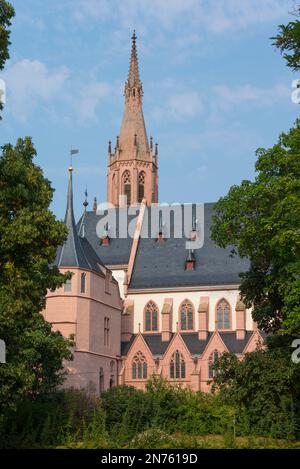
{"x": 261, "y": 220}
{"x": 288, "y": 41}
{"x": 29, "y": 237}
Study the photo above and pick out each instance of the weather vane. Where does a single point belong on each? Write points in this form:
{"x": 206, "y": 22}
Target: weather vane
{"x": 72, "y": 152}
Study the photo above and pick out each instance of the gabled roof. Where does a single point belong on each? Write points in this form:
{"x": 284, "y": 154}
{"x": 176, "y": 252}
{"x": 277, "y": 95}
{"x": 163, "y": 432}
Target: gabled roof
{"x": 234, "y": 345}
{"x": 162, "y": 264}
{"x": 193, "y": 343}
{"x": 155, "y": 344}
{"x": 76, "y": 251}
{"x": 195, "y": 346}
{"x": 117, "y": 252}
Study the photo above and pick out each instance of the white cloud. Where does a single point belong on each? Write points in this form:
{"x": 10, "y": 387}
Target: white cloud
{"x": 28, "y": 83}
{"x": 179, "y": 106}
{"x": 225, "y": 97}
{"x": 89, "y": 98}
{"x": 214, "y": 16}
{"x": 31, "y": 85}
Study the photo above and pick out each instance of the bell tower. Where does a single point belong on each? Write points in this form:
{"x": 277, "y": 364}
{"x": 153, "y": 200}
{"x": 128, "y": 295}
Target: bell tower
{"x": 133, "y": 164}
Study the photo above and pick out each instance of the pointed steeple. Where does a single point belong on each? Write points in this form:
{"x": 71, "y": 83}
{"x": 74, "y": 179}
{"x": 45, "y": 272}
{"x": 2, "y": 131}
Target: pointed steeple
{"x": 133, "y": 75}
{"x": 76, "y": 251}
{"x": 133, "y": 140}
{"x": 133, "y": 160}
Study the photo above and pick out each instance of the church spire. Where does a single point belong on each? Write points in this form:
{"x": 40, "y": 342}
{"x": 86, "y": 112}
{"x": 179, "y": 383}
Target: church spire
{"x": 133, "y": 75}
{"x": 133, "y": 166}
{"x": 71, "y": 253}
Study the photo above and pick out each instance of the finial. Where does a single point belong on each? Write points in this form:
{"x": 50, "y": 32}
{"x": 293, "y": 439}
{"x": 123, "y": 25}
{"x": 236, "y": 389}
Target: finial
{"x": 135, "y": 142}
{"x": 139, "y": 327}
{"x": 151, "y": 143}
{"x": 95, "y": 204}
{"x": 156, "y": 149}
{"x": 118, "y": 141}
{"x": 134, "y": 37}
{"x": 109, "y": 147}
{"x": 85, "y": 203}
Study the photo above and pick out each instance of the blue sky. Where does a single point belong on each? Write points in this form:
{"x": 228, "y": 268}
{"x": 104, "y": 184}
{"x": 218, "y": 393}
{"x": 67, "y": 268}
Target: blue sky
{"x": 214, "y": 88}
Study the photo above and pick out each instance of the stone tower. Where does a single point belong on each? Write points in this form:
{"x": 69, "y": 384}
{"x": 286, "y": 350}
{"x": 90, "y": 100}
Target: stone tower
{"x": 133, "y": 165}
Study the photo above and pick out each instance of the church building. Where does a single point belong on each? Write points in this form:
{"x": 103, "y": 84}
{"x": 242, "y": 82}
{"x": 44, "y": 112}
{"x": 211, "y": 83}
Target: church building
{"x": 151, "y": 293}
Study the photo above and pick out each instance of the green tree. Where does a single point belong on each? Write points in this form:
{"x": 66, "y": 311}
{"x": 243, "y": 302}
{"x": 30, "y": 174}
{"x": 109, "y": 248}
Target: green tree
{"x": 265, "y": 388}
{"x": 288, "y": 41}
{"x": 261, "y": 220}
{"x": 6, "y": 14}
{"x": 29, "y": 237}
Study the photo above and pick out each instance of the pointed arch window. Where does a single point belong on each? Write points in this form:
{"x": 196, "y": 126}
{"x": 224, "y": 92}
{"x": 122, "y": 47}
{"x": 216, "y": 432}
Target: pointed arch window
{"x": 139, "y": 366}
{"x": 82, "y": 282}
{"x": 141, "y": 188}
{"x": 127, "y": 186}
{"x": 151, "y": 317}
{"x": 213, "y": 362}
{"x": 223, "y": 315}
{"x": 186, "y": 312}
{"x": 177, "y": 366}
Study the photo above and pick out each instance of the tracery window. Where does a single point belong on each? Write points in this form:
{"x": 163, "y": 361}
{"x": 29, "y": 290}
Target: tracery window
{"x": 151, "y": 317}
{"x": 186, "y": 311}
{"x": 223, "y": 315}
{"x": 139, "y": 366}
{"x": 213, "y": 369}
{"x": 141, "y": 183}
{"x": 177, "y": 366}
{"x": 127, "y": 186}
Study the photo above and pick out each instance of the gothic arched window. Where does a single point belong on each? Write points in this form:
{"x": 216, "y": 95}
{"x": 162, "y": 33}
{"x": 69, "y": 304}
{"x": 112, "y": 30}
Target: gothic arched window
{"x": 141, "y": 186}
{"x": 82, "y": 282}
{"x": 223, "y": 315}
{"x": 127, "y": 186}
{"x": 151, "y": 317}
{"x": 186, "y": 311}
{"x": 213, "y": 369}
{"x": 177, "y": 366}
{"x": 139, "y": 366}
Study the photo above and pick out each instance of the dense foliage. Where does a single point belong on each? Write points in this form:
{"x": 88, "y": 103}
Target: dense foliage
{"x": 162, "y": 417}
{"x": 288, "y": 41}
{"x": 29, "y": 237}
{"x": 261, "y": 220}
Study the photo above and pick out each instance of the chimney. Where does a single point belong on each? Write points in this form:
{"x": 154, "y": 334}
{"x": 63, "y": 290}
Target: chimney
{"x": 160, "y": 227}
{"x": 166, "y": 319}
{"x": 95, "y": 205}
{"x": 105, "y": 238}
{"x": 240, "y": 311}
{"x": 190, "y": 260}
{"x": 203, "y": 311}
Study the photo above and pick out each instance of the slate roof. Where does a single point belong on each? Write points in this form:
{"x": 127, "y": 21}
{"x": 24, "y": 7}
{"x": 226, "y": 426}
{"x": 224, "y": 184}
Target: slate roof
{"x": 76, "y": 251}
{"x": 191, "y": 340}
{"x": 195, "y": 346}
{"x": 234, "y": 345}
{"x": 155, "y": 344}
{"x": 162, "y": 264}
{"x": 118, "y": 250}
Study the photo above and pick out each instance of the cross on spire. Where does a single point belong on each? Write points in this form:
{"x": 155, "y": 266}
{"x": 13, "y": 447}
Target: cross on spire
{"x": 133, "y": 75}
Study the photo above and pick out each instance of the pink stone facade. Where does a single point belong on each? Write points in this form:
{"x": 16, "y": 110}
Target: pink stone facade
{"x": 196, "y": 367}
{"x": 93, "y": 320}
